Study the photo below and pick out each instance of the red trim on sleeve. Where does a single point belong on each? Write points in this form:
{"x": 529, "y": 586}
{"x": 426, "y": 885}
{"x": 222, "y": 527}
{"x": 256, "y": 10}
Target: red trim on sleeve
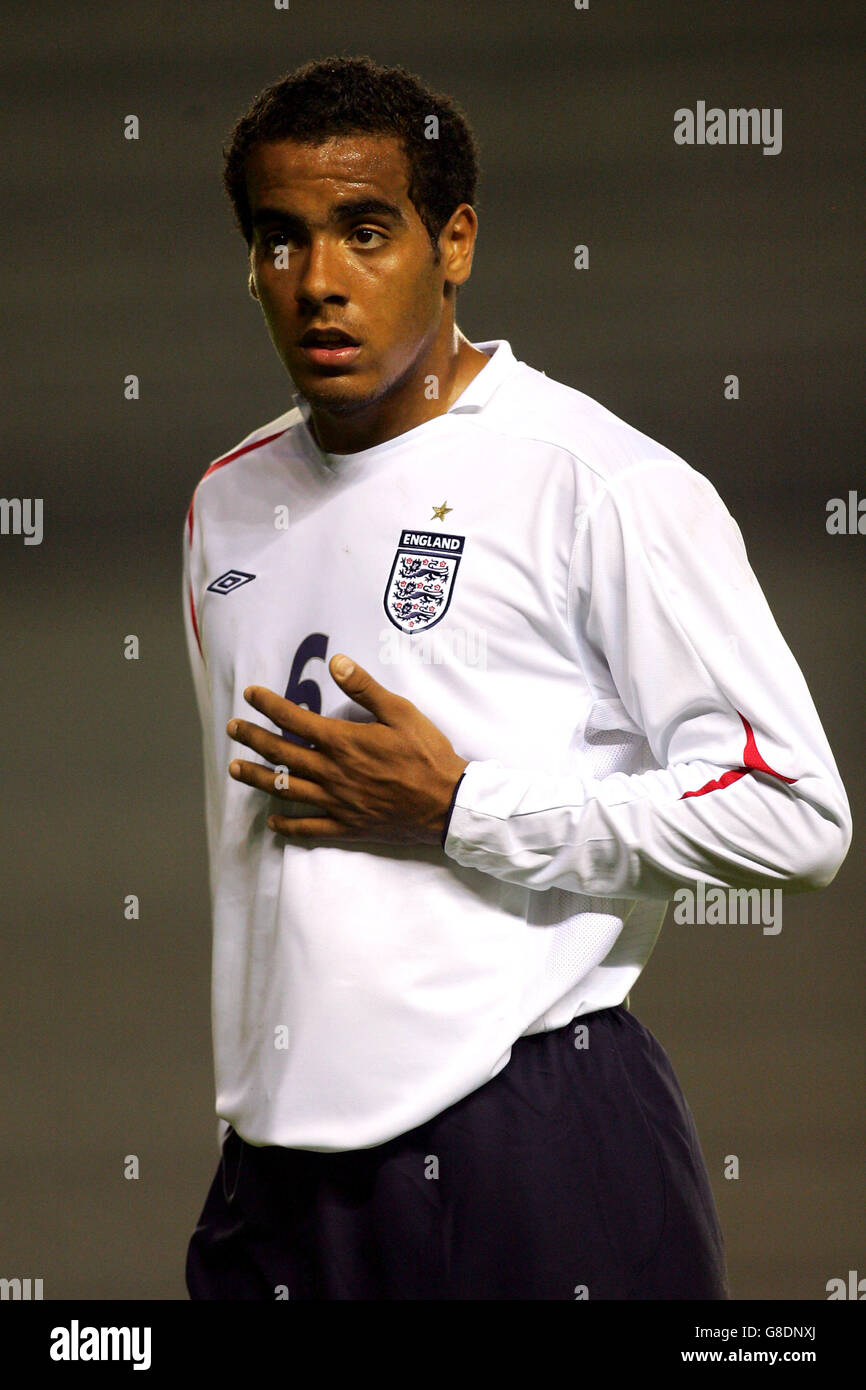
{"x": 194, "y": 623}
{"x": 753, "y": 762}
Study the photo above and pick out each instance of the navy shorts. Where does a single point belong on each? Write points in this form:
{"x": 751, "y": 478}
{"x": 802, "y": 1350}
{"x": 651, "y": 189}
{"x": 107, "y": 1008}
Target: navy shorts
{"x": 576, "y": 1172}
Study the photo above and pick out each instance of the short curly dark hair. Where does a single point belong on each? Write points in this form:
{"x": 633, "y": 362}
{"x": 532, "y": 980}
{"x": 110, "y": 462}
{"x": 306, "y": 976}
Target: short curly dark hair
{"x": 342, "y": 96}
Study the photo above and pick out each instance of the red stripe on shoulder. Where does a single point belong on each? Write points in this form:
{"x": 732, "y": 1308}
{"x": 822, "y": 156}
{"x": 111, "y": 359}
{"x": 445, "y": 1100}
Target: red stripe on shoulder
{"x": 753, "y": 762}
{"x": 221, "y": 463}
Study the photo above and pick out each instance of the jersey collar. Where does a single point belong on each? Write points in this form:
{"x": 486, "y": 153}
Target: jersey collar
{"x": 482, "y": 386}
{"x": 477, "y": 393}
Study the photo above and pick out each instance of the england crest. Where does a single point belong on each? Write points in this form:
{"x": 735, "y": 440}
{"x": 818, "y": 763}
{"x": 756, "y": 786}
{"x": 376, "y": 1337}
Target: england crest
{"x": 422, "y": 577}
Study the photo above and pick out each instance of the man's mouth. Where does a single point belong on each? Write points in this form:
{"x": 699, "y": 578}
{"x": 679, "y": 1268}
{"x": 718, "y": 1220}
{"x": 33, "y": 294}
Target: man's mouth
{"x": 329, "y": 347}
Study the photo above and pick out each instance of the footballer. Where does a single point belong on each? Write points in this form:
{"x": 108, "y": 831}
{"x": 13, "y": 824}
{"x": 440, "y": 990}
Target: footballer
{"x": 484, "y": 678}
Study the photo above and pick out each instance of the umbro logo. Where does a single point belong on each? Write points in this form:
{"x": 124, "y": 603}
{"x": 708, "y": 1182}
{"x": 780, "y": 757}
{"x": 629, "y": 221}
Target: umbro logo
{"x": 232, "y": 579}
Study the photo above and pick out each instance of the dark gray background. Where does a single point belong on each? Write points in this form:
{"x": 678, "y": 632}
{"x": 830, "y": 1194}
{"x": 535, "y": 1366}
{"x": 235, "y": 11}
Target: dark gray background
{"x": 122, "y": 258}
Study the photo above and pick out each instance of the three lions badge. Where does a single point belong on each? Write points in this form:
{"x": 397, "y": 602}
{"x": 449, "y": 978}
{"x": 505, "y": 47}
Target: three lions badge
{"x": 422, "y": 577}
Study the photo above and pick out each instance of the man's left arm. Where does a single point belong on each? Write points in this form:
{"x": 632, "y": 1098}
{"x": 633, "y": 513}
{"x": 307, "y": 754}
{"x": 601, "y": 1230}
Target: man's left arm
{"x": 747, "y": 792}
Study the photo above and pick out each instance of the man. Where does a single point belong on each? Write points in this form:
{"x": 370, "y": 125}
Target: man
{"x": 484, "y": 678}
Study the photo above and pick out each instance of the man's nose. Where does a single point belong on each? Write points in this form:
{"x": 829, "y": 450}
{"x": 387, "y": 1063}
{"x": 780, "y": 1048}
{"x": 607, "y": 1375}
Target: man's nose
{"x": 320, "y": 275}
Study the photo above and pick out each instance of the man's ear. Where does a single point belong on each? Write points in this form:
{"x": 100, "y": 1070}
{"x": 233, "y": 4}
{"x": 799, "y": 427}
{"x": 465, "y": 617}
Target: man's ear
{"x": 251, "y": 286}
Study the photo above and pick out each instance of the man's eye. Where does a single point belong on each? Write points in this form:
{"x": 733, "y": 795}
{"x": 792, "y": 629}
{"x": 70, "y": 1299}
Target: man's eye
{"x": 275, "y": 239}
{"x": 367, "y": 232}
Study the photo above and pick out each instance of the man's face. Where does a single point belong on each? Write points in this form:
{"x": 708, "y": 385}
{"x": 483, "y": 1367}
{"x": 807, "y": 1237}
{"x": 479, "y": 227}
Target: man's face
{"x": 357, "y": 258}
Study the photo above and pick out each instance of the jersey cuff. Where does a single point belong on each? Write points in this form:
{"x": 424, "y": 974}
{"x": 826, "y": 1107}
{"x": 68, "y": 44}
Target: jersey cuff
{"x": 450, "y": 811}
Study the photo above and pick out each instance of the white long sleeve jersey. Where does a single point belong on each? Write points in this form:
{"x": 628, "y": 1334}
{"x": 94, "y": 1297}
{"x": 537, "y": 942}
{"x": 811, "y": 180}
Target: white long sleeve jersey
{"x": 571, "y": 604}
